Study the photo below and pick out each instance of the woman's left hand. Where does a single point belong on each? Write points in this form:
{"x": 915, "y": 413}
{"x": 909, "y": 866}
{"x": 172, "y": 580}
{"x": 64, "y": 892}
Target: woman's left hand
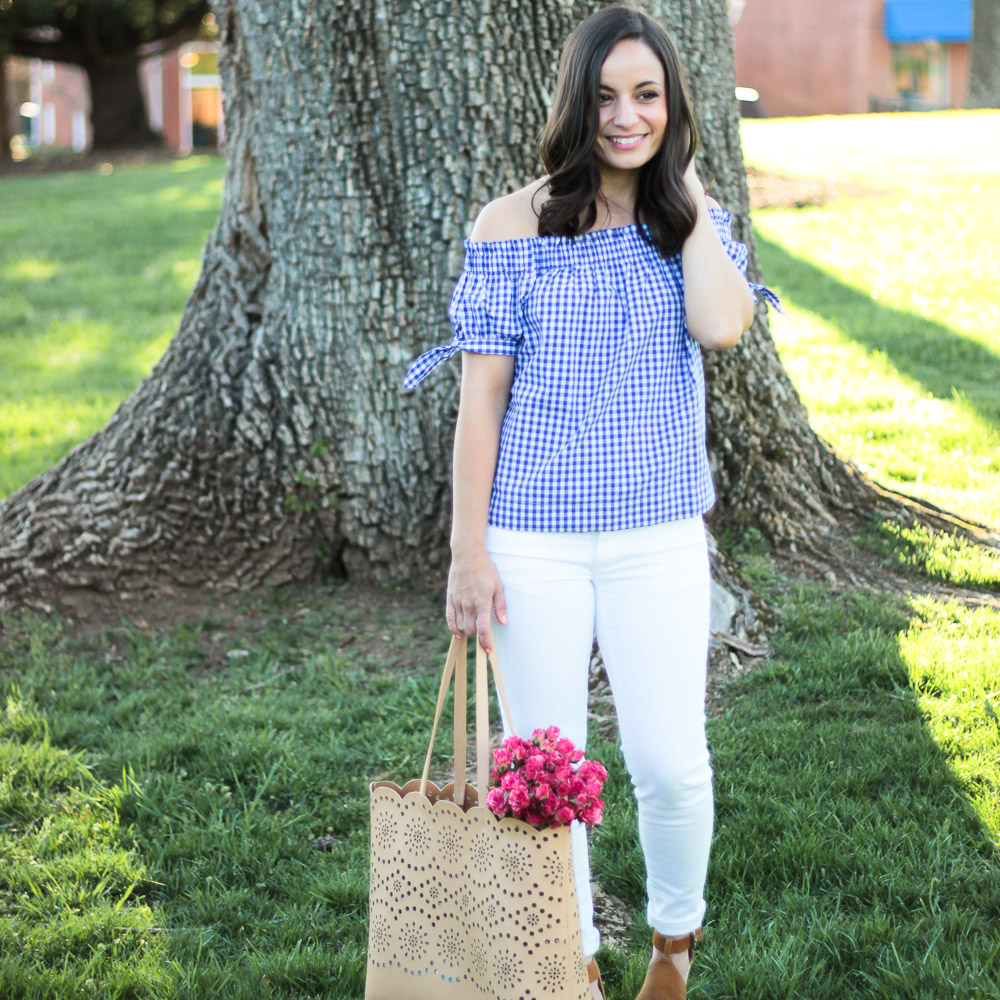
{"x": 693, "y": 182}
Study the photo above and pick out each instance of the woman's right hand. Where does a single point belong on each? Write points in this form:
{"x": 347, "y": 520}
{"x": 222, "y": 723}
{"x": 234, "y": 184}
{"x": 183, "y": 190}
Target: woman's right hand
{"x": 474, "y": 591}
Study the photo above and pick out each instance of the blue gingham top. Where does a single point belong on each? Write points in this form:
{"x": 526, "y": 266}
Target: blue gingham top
{"x": 606, "y": 423}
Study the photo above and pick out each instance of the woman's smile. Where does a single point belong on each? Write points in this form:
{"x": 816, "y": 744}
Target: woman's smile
{"x": 626, "y": 141}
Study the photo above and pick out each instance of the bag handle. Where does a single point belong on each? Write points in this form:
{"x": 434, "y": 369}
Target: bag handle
{"x": 455, "y": 662}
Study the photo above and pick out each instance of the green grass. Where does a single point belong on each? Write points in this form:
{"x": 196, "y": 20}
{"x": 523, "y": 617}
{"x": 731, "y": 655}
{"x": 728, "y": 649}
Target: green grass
{"x": 893, "y": 332}
{"x": 161, "y": 789}
{"x": 160, "y": 799}
{"x": 96, "y": 269}
{"x": 195, "y": 876}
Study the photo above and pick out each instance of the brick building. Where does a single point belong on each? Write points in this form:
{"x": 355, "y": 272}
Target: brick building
{"x": 49, "y": 103}
{"x": 810, "y": 57}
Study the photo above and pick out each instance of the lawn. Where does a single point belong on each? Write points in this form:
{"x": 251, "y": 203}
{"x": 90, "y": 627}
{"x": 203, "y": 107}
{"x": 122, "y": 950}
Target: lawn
{"x": 893, "y": 332}
{"x": 183, "y": 809}
{"x": 96, "y": 270}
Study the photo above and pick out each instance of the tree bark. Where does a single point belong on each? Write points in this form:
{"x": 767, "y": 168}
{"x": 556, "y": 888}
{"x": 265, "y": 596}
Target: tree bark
{"x": 272, "y": 443}
{"x": 118, "y": 109}
{"x": 984, "y": 67}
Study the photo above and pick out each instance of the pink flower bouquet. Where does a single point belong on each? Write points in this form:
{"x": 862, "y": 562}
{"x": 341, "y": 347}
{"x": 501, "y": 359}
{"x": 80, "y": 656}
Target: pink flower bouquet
{"x": 533, "y": 780}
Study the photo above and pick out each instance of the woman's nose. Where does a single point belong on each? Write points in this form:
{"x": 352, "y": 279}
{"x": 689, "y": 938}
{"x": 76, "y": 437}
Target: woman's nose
{"x": 624, "y": 112}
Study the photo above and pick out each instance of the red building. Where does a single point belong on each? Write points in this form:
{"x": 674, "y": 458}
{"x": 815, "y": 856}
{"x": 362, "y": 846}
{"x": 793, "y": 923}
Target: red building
{"x": 49, "y": 103}
{"x": 184, "y": 97}
{"x": 811, "y": 57}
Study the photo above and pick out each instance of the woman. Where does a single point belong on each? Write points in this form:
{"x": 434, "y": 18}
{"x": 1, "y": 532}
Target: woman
{"x": 580, "y": 469}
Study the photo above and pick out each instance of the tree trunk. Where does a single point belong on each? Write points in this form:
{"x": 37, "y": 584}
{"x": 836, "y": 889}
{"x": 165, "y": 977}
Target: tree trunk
{"x": 5, "y": 132}
{"x": 984, "y": 67}
{"x": 117, "y": 106}
{"x": 272, "y": 442}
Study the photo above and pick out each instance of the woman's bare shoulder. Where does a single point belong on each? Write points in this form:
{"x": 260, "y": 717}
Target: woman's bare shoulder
{"x": 514, "y": 216}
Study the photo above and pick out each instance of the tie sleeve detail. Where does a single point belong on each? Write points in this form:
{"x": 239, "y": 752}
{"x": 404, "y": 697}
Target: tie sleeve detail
{"x": 485, "y": 318}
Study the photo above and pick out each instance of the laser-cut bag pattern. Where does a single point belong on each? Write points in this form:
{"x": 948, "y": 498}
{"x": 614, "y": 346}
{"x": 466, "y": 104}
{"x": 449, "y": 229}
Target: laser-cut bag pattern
{"x": 463, "y": 905}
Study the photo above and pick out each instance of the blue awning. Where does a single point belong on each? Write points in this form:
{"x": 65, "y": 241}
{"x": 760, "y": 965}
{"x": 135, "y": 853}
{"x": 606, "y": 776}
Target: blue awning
{"x": 928, "y": 20}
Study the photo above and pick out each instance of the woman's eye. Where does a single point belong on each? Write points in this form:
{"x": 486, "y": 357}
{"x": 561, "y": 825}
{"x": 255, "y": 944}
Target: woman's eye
{"x": 650, "y": 95}
{"x": 603, "y": 98}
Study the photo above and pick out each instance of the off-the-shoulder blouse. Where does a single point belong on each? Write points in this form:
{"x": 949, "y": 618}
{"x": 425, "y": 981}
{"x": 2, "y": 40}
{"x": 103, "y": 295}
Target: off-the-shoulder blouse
{"x": 606, "y": 423}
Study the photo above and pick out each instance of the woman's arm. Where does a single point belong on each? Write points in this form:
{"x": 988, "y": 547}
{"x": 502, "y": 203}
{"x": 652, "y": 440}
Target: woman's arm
{"x": 474, "y": 586}
{"x": 717, "y": 299}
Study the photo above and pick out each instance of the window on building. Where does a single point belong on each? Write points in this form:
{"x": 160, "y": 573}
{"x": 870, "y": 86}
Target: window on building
{"x": 920, "y": 75}
{"x": 201, "y": 63}
{"x": 200, "y": 80}
{"x": 205, "y": 117}
{"x": 79, "y": 130}
{"x": 48, "y": 124}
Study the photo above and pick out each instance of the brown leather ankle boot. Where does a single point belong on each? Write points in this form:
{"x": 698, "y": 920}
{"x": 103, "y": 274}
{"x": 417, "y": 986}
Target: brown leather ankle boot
{"x": 663, "y": 979}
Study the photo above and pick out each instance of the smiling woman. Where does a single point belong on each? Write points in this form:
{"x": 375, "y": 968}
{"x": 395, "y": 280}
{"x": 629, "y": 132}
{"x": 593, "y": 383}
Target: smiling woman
{"x": 580, "y": 469}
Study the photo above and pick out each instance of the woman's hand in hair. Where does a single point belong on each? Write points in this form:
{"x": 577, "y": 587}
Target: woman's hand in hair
{"x": 694, "y": 184}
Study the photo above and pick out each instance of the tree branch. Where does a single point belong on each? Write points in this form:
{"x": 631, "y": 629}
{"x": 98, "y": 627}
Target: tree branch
{"x": 65, "y": 50}
{"x": 186, "y": 28}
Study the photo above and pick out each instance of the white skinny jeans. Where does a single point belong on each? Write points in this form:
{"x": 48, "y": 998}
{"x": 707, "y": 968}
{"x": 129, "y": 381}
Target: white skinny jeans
{"x": 646, "y": 590}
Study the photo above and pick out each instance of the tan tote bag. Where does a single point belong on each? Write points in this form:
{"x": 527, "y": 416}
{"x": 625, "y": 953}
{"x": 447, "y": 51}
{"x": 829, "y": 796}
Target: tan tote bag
{"x": 463, "y": 905}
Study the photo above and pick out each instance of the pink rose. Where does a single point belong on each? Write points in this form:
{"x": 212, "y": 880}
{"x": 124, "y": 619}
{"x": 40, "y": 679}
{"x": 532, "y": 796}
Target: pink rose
{"x": 552, "y": 733}
{"x": 501, "y": 757}
{"x": 518, "y": 801}
{"x": 533, "y": 765}
{"x": 542, "y": 792}
{"x": 576, "y": 755}
{"x": 495, "y": 801}
{"x": 565, "y": 815}
{"x": 548, "y": 807}
{"x": 592, "y": 814}
{"x": 509, "y": 781}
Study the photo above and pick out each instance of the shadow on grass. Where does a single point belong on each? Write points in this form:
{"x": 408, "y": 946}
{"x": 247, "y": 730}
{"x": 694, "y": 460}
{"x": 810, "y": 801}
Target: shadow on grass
{"x": 938, "y": 357}
{"x": 848, "y": 858}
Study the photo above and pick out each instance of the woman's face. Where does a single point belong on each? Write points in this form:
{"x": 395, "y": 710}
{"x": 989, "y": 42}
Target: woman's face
{"x": 632, "y": 106}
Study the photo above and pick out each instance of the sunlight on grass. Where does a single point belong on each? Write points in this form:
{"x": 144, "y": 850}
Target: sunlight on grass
{"x": 96, "y": 273}
{"x": 857, "y": 771}
{"x": 883, "y": 150}
{"x": 949, "y": 558}
{"x": 31, "y": 269}
{"x": 953, "y": 655}
{"x": 893, "y": 337}
{"x": 940, "y": 449}
{"x": 72, "y": 919}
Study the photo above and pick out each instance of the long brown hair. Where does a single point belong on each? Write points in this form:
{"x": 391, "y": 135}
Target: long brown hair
{"x": 566, "y": 142}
